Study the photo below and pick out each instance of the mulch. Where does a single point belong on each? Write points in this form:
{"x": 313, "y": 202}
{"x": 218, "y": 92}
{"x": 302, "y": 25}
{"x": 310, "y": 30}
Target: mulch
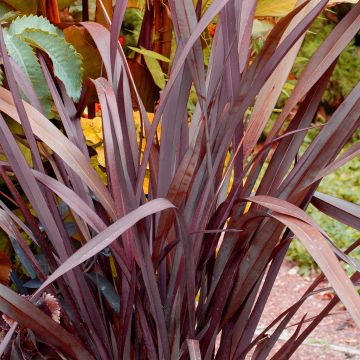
{"x": 336, "y": 338}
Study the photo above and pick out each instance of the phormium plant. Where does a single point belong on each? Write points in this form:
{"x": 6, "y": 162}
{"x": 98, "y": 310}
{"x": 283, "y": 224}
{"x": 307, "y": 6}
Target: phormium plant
{"x": 182, "y": 267}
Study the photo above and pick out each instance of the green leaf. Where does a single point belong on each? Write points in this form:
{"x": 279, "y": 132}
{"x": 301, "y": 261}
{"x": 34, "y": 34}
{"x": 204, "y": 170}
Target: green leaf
{"x": 107, "y": 290}
{"x": 67, "y": 62}
{"x": 156, "y": 71}
{"x": 25, "y": 57}
{"x": 32, "y": 22}
{"x": 26, "y": 7}
{"x": 150, "y": 54}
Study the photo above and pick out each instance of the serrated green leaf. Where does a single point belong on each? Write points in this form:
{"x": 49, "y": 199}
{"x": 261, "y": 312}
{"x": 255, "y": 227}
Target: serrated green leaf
{"x": 25, "y": 57}
{"x": 66, "y": 61}
{"x": 26, "y": 7}
{"x": 156, "y": 71}
{"x": 32, "y": 22}
{"x": 150, "y": 54}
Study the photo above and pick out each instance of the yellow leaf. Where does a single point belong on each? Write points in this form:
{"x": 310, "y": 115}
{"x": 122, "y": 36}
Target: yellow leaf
{"x": 146, "y": 182}
{"x": 113, "y": 267}
{"x": 27, "y": 153}
{"x": 247, "y": 207}
{"x": 101, "y": 155}
{"x": 95, "y": 163}
{"x": 334, "y": 2}
{"x": 92, "y": 130}
{"x": 138, "y": 125}
{"x": 278, "y": 8}
{"x": 274, "y": 8}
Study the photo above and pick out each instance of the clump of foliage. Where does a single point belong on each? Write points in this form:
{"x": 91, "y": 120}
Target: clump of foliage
{"x": 175, "y": 254}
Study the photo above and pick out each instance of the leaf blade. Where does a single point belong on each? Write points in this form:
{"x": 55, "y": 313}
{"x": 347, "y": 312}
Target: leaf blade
{"x": 105, "y": 238}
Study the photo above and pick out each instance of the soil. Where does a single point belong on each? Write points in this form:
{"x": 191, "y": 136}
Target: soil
{"x": 336, "y": 338}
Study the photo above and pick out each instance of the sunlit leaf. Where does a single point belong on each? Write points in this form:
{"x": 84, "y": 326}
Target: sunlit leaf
{"x": 274, "y": 8}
